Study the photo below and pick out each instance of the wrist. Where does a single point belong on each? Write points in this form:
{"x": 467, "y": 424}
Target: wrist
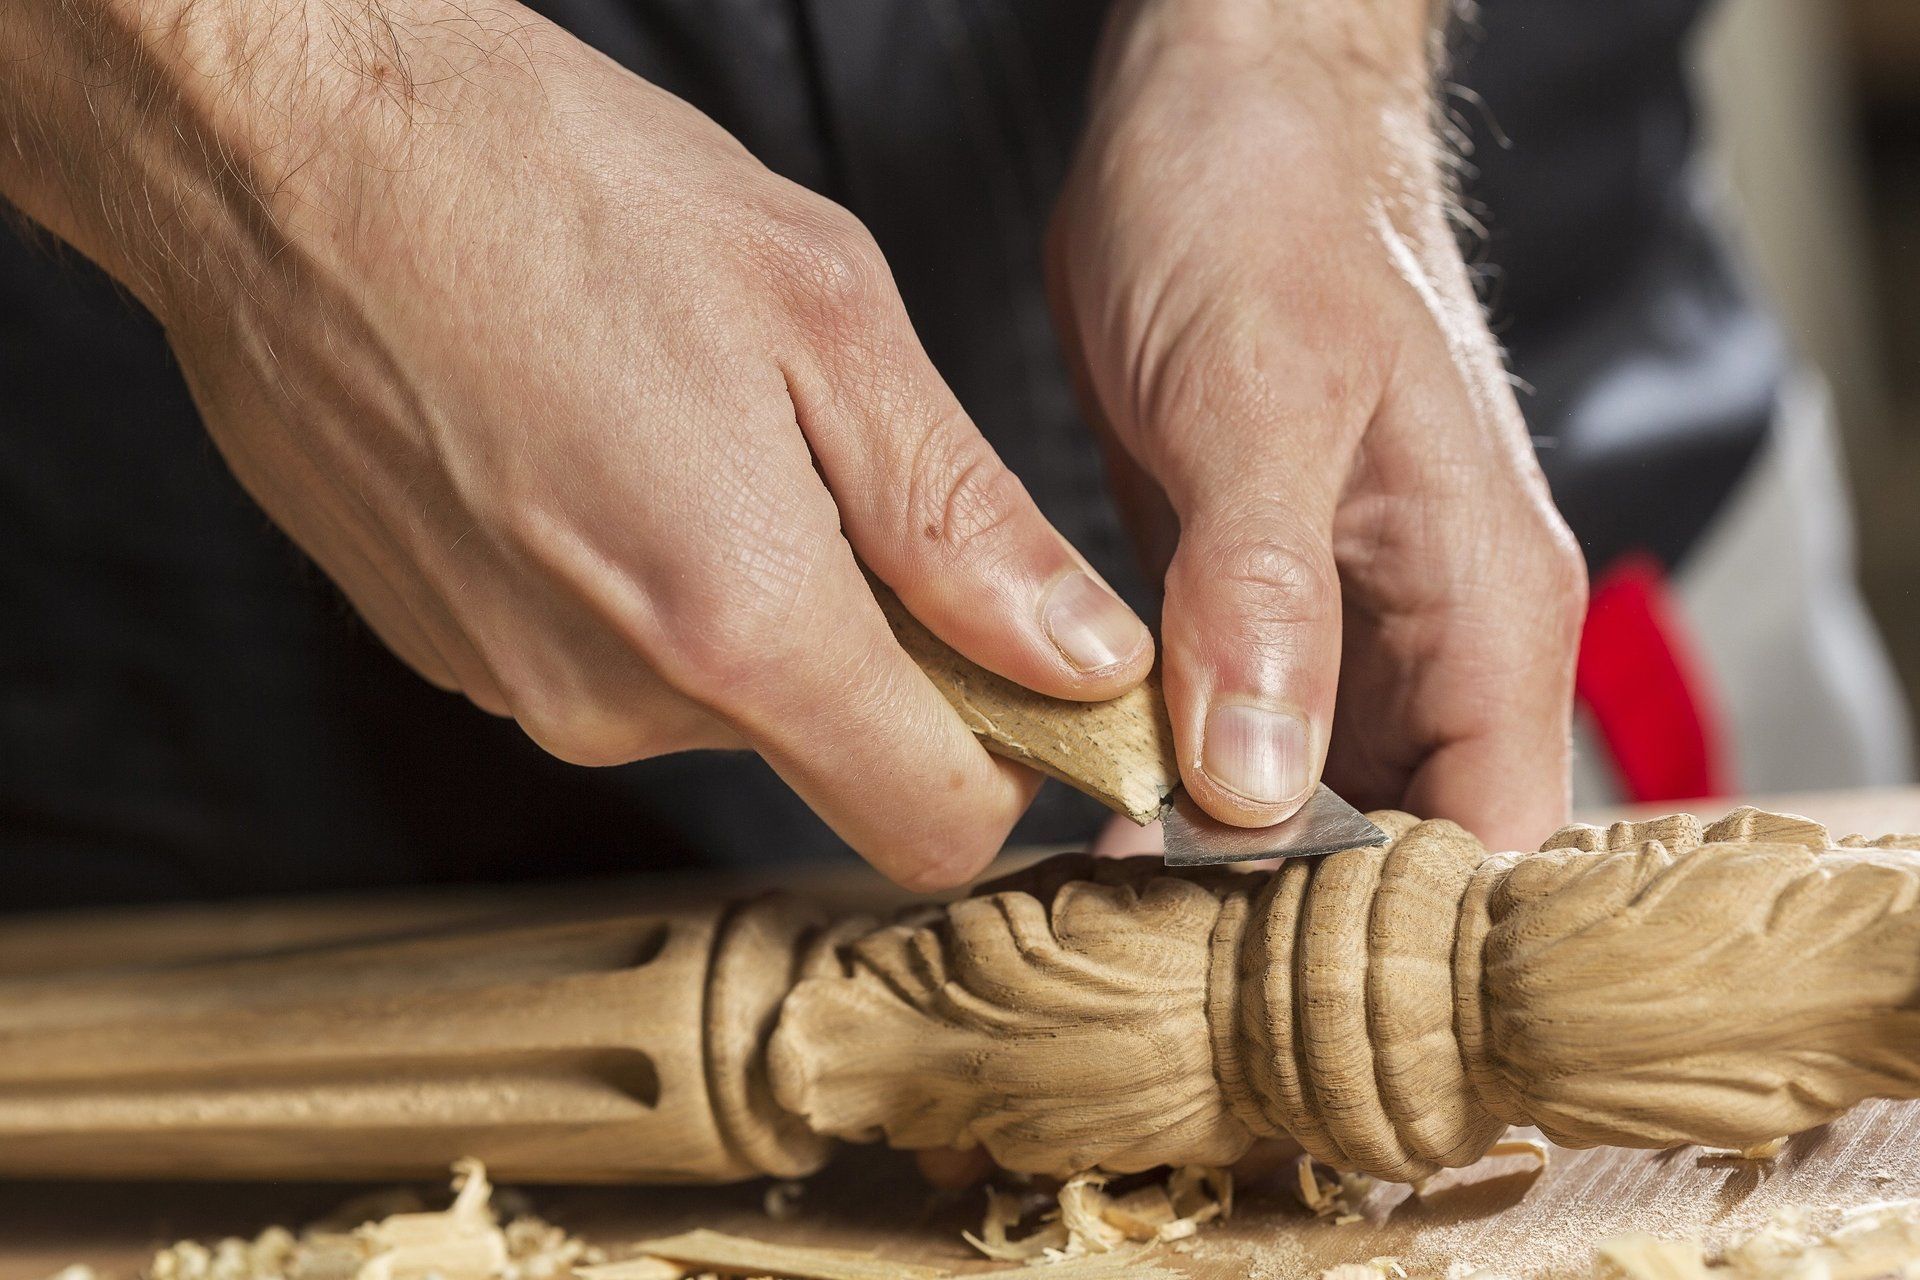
{"x": 1385, "y": 50}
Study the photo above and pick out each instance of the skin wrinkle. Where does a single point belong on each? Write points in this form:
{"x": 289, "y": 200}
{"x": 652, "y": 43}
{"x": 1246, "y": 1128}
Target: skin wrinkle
{"x": 968, "y": 503}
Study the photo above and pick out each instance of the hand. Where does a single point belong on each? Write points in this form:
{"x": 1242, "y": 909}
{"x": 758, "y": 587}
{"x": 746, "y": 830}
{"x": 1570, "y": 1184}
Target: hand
{"x": 1257, "y": 283}
{"x": 586, "y": 411}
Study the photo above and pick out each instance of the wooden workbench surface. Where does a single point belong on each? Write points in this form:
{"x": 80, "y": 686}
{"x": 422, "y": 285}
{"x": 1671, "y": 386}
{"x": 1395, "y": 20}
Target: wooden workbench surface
{"x": 1498, "y": 1214}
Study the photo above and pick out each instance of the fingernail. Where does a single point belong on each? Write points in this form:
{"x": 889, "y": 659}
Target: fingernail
{"x": 1256, "y": 753}
{"x": 1089, "y": 624}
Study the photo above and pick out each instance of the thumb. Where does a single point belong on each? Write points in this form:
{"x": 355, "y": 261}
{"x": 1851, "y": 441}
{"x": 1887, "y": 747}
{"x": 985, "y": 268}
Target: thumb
{"x": 934, "y": 512}
{"x": 1252, "y": 654}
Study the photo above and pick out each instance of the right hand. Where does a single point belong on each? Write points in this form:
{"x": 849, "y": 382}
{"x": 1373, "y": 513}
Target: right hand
{"x": 582, "y": 406}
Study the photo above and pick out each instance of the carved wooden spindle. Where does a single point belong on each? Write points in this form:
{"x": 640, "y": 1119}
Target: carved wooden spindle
{"x": 1649, "y": 984}
{"x": 603, "y": 1050}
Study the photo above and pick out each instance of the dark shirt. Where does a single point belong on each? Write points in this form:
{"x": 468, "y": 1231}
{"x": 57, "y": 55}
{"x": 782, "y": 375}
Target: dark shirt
{"x": 188, "y": 708}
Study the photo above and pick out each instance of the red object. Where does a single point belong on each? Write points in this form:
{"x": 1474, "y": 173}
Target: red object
{"x": 1647, "y": 690}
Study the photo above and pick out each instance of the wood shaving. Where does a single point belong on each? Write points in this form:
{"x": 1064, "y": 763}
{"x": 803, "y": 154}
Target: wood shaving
{"x": 782, "y": 1201}
{"x": 1758, "y": 1151}
{"x": 1538, "y": 1148}
{"x": 739, "y": 1256}
{"x": 1330, "y": 1193}
{"x": 1086, "y": 1220}
{"x": 462, "y": 1242}
{"x": 1006, "y": 1210}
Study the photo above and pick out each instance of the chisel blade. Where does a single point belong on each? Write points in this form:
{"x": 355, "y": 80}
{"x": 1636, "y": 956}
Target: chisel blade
{"x": 1324, "y": 824}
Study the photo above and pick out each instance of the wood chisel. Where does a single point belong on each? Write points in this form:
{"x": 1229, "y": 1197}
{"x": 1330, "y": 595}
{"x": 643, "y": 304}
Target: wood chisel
{"x": 1120, "y": 752}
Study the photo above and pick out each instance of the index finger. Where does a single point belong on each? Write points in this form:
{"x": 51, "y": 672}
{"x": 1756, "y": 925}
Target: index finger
{"x": 821, "y": 690}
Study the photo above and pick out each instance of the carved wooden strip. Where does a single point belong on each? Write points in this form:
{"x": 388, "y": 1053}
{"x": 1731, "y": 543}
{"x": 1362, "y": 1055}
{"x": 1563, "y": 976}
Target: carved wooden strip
{"x": 1615, "y": 990}
{"x": 1119, "y": 752}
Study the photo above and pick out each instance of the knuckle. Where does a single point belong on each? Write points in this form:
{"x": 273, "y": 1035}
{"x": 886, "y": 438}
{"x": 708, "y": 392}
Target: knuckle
{"x": 847, "y": 273}
{"x": 1567, "y": 594}
{"x": 824, "y": 257}
{"x": 596, "y": 728}
{"x": 490, "y": 701}
{"x": 1562, "y": 584}
{"x": 589, "y": 736}
{"x": 1567, "y": 581}
{"x": 731, "y": 644}
{"x": 732, "y": 621}
{"x": 721, "y": 673}
{"x": 1277, "y": 581}
{"x": 960, "y": 494}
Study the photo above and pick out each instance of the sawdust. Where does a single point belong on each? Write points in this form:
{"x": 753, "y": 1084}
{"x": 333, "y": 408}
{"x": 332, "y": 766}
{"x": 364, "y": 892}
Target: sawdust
{"x": 1393, "y": 1269}
{"x": 1371, "y": 1269}
{"x": 1865, "y": 1243}
{"x": 1087, "y": 1220}
{"x": 1474, "y": 1271}
{"x": 1869, "y": 1241}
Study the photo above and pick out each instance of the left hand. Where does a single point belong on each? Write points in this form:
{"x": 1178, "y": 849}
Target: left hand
{"x": 1269, "y": 318}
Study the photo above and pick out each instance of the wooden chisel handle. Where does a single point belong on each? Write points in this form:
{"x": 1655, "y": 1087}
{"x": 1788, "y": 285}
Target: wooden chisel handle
{"x": 1120, "y": 752}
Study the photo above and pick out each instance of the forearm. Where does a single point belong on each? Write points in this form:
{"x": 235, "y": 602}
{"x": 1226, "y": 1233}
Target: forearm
{"x": 179, "y": 142}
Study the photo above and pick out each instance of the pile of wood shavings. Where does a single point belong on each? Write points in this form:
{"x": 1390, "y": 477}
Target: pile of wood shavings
{"x": 392, "y": 1237}
{"x": 462, "y": 1242}
{"x": 1086, "y": 1220}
